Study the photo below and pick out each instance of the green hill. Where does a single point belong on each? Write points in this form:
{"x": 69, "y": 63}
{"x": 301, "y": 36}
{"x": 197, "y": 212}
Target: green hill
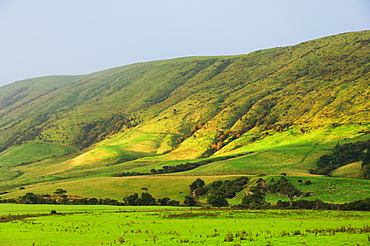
{"x": 264, "y": 113}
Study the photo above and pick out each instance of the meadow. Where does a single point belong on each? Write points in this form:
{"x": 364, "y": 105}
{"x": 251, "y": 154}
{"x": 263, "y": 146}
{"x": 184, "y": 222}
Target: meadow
{"x": 98, "y": 225}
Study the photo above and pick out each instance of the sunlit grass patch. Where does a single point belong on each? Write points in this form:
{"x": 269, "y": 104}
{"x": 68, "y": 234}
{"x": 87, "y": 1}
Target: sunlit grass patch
{"x": 205, "y": 227}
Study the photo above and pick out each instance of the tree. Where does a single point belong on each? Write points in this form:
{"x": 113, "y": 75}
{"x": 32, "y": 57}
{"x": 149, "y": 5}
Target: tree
{"x": 31, "y": 198}
{"x": 216, "y": 198}
{"x": 215, "y": 185}
{"x": 147, "y": 199}
{"x": 256, "y": 195}
{"x": 366, "y": 164}
{"x": 366, "y": 171}
{"x": 93, "y": 201}
{"x": 366, "y": 159}
{"x": 190, "y": 201}
{"x": 342, "y": 155}
{"x": 198, "y": 183}
{"x": 200, "y": 191}
{"x": 131, "y": 200}
{"x": 283, "y": 187}
{"x": 173, "y": 203}
{"x": 60, "y": 192}
{"x": 163, "y": 201}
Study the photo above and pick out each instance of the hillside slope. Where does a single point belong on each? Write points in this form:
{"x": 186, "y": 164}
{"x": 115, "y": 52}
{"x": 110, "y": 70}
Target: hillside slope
{"x": 138, "y": 117}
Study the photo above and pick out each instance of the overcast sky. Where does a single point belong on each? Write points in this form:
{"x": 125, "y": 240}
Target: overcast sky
{"x": 63, "y": 37}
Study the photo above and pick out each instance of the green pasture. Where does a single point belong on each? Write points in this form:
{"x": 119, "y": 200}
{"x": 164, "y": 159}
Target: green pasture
{"x": 32, "y": 152}
{"x": 190, "y": 227}
{"x": 18, "y": 209}
{"x": 174, "y": 187}
{"x": 352, "y": 170}
{"x": 320, "y": 137}
{"x": 327, "y": 189}
{"x": 293, "y": 156}
{"x": 91, "y": 173}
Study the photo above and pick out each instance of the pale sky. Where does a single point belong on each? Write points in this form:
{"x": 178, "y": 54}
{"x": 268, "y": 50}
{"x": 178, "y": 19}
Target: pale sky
{"x": 65, "y": 37}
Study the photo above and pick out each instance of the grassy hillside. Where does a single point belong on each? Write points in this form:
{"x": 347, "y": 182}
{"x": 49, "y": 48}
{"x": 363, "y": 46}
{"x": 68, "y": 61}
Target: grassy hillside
{"x": 267, "y": 112}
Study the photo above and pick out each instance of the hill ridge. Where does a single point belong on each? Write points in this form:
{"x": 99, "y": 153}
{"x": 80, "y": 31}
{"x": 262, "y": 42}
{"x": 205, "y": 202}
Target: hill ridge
{"x": 141, "y": 116}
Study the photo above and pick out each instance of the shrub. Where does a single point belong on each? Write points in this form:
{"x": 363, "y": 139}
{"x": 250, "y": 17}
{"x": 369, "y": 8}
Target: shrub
{"x": 217, "y": 199}
{"x": 190, "y": 201}
{"x": 229, "y": 237}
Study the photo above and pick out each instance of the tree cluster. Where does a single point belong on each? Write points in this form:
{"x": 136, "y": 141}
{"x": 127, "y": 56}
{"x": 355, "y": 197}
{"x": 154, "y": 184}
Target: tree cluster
{"x": 193, "y": 129}
{"x": 127, "y": 174}
{"x": 147, "y": 199}
{"x": 98, "y": 130}
{"x": 255, "y": 197}
{"x": 282, "y": 186}
{"x": 359, "y": 205}
{"x": 28, "y": 133}
{"x": 342, "y": 155}
{"x": 218, "y": 191}
{"x": 366, "y": 164}
{"x": 60, "y": 197}
{"x": 166, "y": 169}
{"x": 177, "y": 168}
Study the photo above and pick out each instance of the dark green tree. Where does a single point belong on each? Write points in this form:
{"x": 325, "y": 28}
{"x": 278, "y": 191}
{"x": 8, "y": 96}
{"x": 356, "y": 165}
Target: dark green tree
{"x": 163, "y": 201}
{"x": 131, "y": 200}
{"x": 147, "y": 199}
{"x": 93, "y": 201}
{"x": 200, "y": 191}
{"x": 366, "y": 172}
{"x": 366, "y": 164}
{"x": 341, "y": 155}
{"x": 31, "y": 198}
{"x": 198, "y": 183}
{"x": 283, "y": 187}
{"x": 256, "y": 194}
{"x": 173, "y": 203}
{"x": 60, "y": 192}
{"x": 217, "y": 198}
{"x": 366, "y": 159}
{"x": 190, "y": 201}
{"x": 215, "y": 185}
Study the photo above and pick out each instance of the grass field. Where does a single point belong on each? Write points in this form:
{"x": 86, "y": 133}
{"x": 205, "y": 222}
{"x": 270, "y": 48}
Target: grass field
{"x": 175, "y": 187}
{"x": 19, "y": 209}
{"x": 159, "y": 226}
{"x": 31, "y": 152}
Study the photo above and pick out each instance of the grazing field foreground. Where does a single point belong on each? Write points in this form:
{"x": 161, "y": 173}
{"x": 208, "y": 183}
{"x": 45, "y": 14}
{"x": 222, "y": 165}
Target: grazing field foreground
{"x": 174, "y": 226}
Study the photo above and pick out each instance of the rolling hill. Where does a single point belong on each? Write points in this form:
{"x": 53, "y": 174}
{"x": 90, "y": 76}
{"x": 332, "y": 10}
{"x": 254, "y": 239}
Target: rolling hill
{"x": 264, "y": 113}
